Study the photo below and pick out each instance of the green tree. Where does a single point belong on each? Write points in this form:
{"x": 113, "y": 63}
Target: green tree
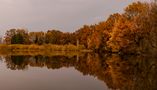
{"x": 17, "y": 39}
{"x": 16, "y": 34}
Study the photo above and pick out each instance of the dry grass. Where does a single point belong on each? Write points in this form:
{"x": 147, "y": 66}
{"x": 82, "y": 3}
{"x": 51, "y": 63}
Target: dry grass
{"x": 47, "y": 49}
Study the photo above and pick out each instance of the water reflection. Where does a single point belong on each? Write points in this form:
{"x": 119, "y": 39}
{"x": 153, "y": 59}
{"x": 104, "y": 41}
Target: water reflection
{"x": 117, "y": 72}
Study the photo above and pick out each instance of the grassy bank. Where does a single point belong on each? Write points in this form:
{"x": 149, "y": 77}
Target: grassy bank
{"x": 47, "y": 49}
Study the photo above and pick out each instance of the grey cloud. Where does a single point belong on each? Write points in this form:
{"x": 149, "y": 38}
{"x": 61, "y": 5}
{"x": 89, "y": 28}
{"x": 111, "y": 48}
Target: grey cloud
{"x": 67, "y": 15}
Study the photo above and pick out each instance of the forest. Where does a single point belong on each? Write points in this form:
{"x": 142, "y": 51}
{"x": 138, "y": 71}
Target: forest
{"x": 134, "y": 32}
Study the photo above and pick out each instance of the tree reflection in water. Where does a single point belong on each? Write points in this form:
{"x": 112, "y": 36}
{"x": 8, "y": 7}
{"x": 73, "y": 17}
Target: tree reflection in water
{"x": 118, "y": 72}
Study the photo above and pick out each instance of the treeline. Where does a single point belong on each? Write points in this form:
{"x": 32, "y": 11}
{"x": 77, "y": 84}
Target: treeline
{"x": 21, "y": 36}
{"x": 135, "y": 30}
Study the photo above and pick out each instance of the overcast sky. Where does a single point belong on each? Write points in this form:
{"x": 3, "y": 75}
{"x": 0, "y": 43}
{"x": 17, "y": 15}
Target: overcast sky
{"x": 65, "y": 15}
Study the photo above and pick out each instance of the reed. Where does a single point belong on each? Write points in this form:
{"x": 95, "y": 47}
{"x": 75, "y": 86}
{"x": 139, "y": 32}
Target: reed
{"x": 40, "y": 49}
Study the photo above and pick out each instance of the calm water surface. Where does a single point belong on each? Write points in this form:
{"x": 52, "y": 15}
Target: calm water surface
{"x": 80, "y": 72}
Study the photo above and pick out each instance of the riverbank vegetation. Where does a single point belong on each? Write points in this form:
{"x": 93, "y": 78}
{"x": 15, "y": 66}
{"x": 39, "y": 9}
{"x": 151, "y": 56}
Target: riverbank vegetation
{"x": 46, "y": 49}
{"x": 134, "y": 31}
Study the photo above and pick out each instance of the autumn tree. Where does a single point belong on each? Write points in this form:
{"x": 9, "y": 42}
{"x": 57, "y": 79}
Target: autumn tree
{"x": 37, "y": 37}
{"x": 8, "y": 35}
{"x": 66, "y": 38}
{"x": 146, "y": 24}
{"x": 32, "y": 37}
{"x": 53, "y": 37}
{"x": 94, "y": 40}
{"x": 82, "y": 34}
{"x": 136, "y": 9}
{"x": 136, "y": 34}
{"x": 40, "y": 38}
{"x": 16, "y": 36}
{"x": 122, "y": 36}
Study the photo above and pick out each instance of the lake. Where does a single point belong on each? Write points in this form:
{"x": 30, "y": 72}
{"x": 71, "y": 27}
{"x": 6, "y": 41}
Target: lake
{"x": 88, "y": 71}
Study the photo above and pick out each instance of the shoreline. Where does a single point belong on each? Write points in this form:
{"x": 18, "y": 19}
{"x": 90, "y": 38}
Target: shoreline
{"x": 46, "y": 49}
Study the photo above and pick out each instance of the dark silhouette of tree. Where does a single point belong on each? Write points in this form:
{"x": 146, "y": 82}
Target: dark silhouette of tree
{"x": 17, "y": 39}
